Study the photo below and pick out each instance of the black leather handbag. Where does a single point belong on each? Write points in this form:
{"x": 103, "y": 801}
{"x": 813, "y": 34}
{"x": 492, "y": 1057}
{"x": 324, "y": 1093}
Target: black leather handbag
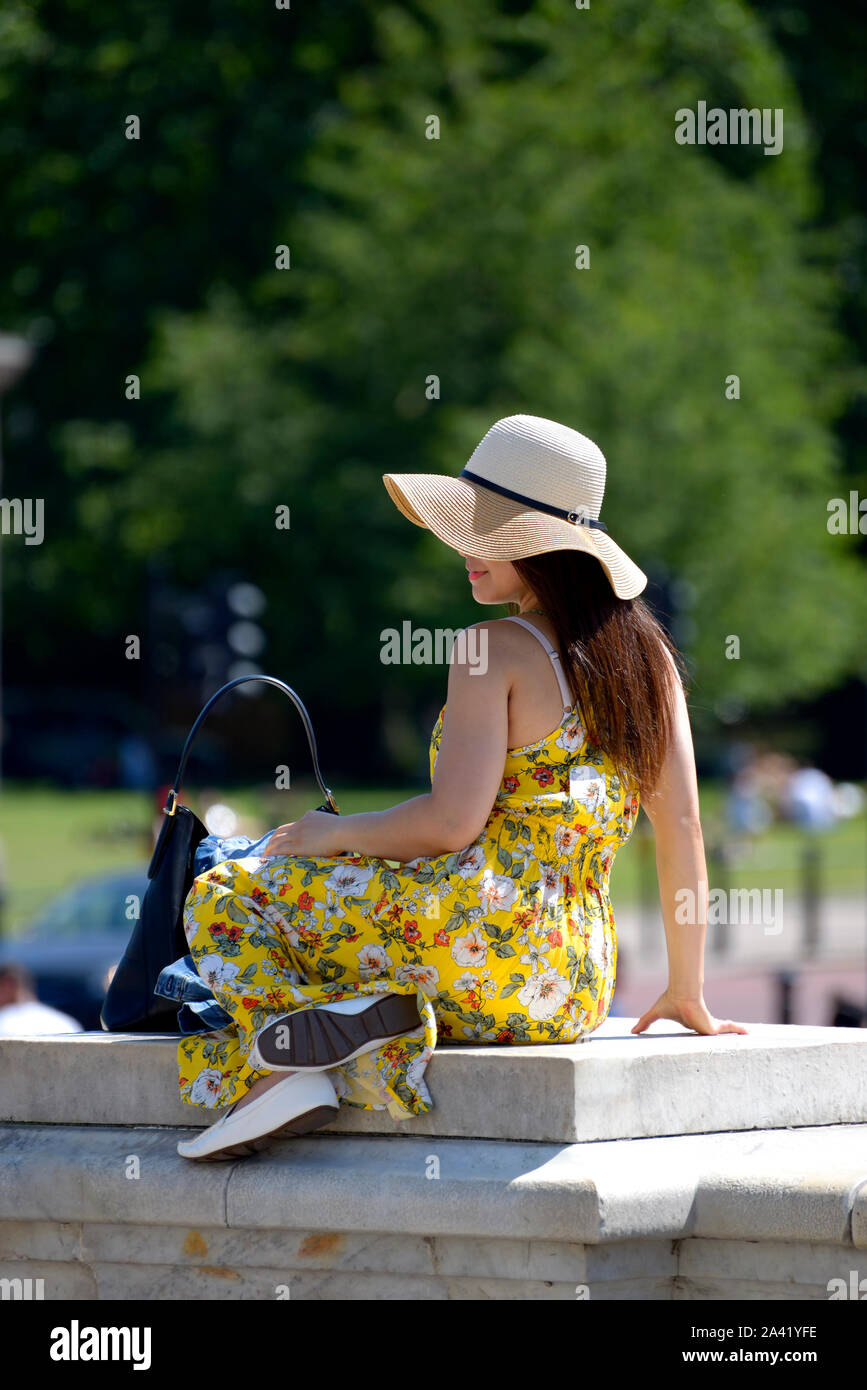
{"x": 130, "y": 1005}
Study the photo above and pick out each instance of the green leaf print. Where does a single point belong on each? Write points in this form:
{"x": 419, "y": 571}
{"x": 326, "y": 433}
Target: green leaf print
{"x": 261, "y": 938}
{"x": 509, "y": 989}
{"x": 504, "y": 857}
{"x": 517, "y": 869}
{"x": 457, "y": 919}
{"x": 235, "y": 913}
{"x": 247, "y": 976}
{"x": 503, "y": 949}
{"x": 402, "y": 1091}
{"x": 390, "y": 880}
{"x": 475, "y": 1017}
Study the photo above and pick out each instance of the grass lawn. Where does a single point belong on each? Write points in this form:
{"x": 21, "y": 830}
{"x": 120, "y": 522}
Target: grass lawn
{"x": 51, "y": 839}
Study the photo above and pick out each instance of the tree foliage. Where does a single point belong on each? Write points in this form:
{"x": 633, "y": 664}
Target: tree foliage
{"x": 414, "y": 258}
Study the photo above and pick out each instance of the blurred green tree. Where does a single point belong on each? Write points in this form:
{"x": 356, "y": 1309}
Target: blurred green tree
{"x": 415, "y": 258}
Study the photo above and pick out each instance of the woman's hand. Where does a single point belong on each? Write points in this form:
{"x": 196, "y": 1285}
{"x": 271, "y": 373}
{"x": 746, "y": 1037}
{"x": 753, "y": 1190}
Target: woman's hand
{"x": 316, "y": 833}
{"x": 692, "y": 1013}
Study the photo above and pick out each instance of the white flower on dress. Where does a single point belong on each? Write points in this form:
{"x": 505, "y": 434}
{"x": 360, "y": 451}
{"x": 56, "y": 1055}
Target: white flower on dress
{"x": 430, "y": 906}
{"x": 607, "y": 818}
{"x": 373, "y": 960}
{"x": 497, "y": 893}
{"x": 471, "y": 949}
{"x": 415, "y": 1071}
{"x": 470, "y": 860}
{"x": 534, "y": 958}
{"x": 587, "y": 785}
{"x": 466, "y": 982}
{"x": 573, "y": 736}
{"x": 206, "y": 1088}
{"x": 543, "y": 995}
{"x": 552, "y": 884}
{"x": 332, "y": 910}
{"x": 216, "y": 972}
{"x": 426, "y": 977}
{"x": 566, "y": 839}
{"x": 338, "y": 1081}
{"x": 349, "y": 880}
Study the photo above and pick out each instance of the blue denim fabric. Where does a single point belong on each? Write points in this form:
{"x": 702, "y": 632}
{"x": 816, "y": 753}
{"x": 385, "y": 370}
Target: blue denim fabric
{"x": 200, "y": 1011}
{"x": 212, "y": 850}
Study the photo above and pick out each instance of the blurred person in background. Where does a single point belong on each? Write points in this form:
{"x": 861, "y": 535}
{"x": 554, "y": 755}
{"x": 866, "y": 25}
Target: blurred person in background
{"x": 22, "y": 1014}
{"x": 808, "y": 799}
{"x": 747, "y": 810}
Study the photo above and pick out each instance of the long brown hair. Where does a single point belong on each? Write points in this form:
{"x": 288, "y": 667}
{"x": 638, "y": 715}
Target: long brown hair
{"x": 612, "y": 653}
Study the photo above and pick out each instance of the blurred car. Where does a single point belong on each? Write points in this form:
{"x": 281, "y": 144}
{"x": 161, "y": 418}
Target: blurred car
{"x": 73, "y": 944}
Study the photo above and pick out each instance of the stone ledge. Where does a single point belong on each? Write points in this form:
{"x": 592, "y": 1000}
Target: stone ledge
{"x": 86, "y": 1261}
{"x": 614, "y": 1085}
{"x": 795, "y": 1185}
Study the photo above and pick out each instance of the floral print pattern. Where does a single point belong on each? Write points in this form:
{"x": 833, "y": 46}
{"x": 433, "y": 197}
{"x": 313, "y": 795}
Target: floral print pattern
{"x": 511, "y": 940}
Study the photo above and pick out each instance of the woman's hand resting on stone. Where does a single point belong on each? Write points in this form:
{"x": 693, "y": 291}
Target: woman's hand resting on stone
{"x": 691, "y": 1013}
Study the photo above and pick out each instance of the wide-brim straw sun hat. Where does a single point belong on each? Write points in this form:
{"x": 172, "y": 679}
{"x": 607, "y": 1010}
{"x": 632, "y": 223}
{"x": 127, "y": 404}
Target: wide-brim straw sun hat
{"x": 531, "y": 486}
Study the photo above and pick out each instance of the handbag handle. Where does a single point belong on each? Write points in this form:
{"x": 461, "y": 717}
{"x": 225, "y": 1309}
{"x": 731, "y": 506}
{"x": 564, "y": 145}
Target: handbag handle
{"x": 172, "y": 798}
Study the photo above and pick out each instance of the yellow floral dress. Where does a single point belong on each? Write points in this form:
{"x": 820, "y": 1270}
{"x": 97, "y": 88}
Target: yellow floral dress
{"x": 509, "y": 941}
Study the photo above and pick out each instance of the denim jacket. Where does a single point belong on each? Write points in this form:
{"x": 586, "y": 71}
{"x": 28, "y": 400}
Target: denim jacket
{"x": 200, "y": 1012}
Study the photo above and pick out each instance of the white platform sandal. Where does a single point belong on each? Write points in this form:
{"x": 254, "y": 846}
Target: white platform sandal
{"x": 296, "y": 1105}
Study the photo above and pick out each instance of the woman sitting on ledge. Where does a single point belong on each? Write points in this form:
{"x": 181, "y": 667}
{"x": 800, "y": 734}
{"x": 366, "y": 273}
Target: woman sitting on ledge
{"x": 339, "y": 970}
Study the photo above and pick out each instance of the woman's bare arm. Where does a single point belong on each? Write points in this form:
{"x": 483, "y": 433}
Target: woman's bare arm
{"x": 469, "y": 770}
{"x": 673, "y": 810}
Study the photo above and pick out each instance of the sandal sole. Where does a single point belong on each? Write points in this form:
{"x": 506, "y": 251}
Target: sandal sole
{"x": 316, "y": 1038}
{"x": 301, "y": 1124}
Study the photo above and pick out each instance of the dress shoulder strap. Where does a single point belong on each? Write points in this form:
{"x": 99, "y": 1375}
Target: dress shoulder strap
{"x": 565, "y": 692}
